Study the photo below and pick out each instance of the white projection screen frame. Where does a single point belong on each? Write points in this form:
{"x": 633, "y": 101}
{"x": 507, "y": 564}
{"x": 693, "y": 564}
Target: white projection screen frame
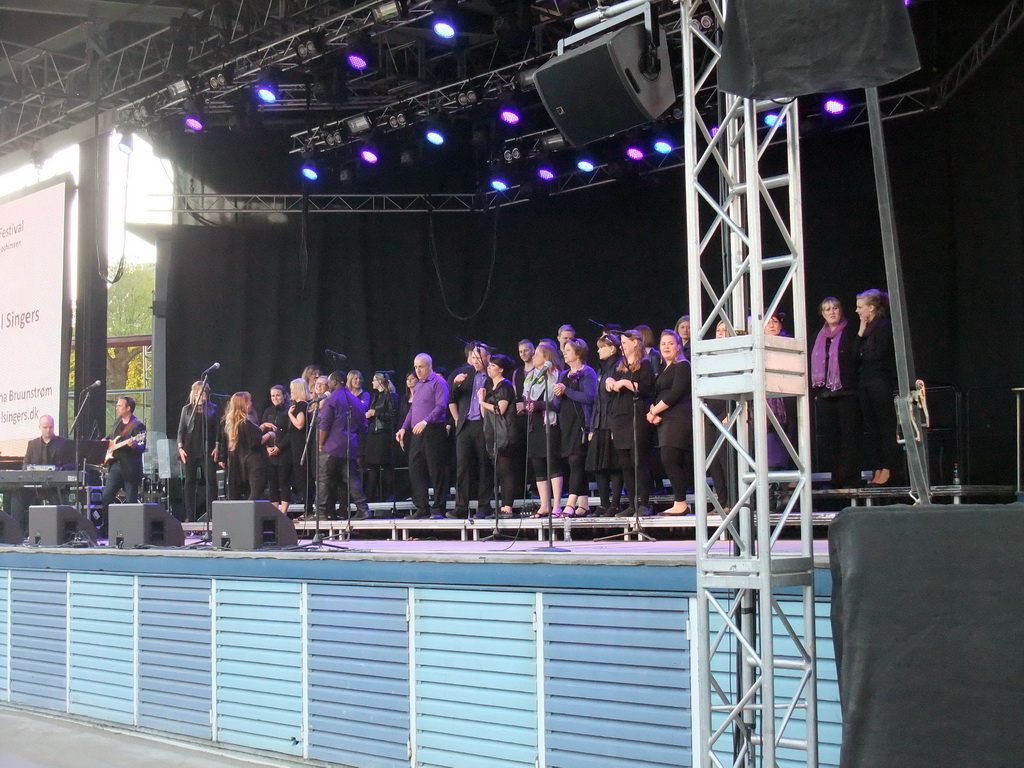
{"x": 35, "y": 311}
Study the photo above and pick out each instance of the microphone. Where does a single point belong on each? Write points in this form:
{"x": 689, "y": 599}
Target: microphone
{"x": 316, "y": 400}
{"x": 546, "y": 367}
{"x": 212, "y": 368}
{"x": 383, "y": 371}
{"x": 336, "y": 354}
{"x": 93, "y": 385}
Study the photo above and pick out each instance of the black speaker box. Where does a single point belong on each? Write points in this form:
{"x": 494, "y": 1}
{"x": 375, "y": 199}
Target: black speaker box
{"x": 144, "y": 525}
{"x": 56, "y": 524}
{"x": 10, "y": 531}
{"x": 598, "y": 90}
{"x": 252, "y": 525}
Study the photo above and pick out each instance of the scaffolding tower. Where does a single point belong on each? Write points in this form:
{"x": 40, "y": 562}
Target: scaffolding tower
{"x": 756, "y": 697}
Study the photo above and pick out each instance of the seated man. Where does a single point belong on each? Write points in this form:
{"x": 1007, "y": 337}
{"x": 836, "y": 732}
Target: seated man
{"x": 47, "y": 450}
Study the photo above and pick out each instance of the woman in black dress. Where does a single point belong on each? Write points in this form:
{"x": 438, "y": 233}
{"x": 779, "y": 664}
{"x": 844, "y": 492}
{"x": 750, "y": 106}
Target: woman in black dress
{"x": 877, "y": 380}
{"x": 197, "y": 438}
{"x": 542, "y": 405}
{"x": 578, "y": 389}
{"x": 632, "y": 384}
{"x": 247, "y": 448}
{"x": 378, "y": 455}
{"x": 279, "y": 451}
{"x": 302, "y": 479}
{"x": 497, "y": 404}
{"x": 602, "y": 460}
{"x": 672, "y": 412}
{"x": 834, "y": 384}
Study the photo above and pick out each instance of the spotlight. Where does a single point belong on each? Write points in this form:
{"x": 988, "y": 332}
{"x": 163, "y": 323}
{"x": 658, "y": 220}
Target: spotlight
{"x": 332, "y": 138}
{"x": 434, "y": 133}
{"x": 223, "y": 79}
{"x": 634, "y": 153}
{"x": 586, "y": 165}
{"x": 358, "y": 124}
{"x": 834, "y": 106}
{"x": 310, "y": 46}
{"x": 360, "y": 53}
{"x": 444, "y": 28}
{"x": 772, "y": 119}
{"x": 369, "y": 154}
{"x": 194, "y": 114}
{"x": 526, "y": 79}
{"x": 545, "y": 170}
{"x": 552, "y": 141}
{"x": 389, "y": 10}
{"x": 499, "y": 184}
{"x": 444, "y": 23}
{"x": 398, "y": 120}
{"x": 713, "y": 131}
{"x": 267, "y": 87}
{"x": 127, "y": 141}
{"x": 663, "y": 146}
{"x": 467, "y": 98}
{"x": 512, "y": 154}
{"x": 509, "y": 113}
{"x": 309, "y": 170}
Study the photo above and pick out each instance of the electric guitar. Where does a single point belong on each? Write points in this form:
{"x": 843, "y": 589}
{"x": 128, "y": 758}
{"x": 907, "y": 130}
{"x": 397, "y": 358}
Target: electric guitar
{"x": 139, "y": 439}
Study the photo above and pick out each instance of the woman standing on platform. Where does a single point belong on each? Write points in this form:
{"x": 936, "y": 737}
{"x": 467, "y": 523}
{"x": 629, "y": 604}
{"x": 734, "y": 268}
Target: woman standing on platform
{"x": 784, "y": 409}
{"x": 197, "y": 440}
{"x": 497, "y": 404}
{"x": 541, "y": 405}
{"x": 380, "y": 437}
{"x": 578, "y": 389}
{"x": 247, "y": 448}
{"x": 602, "y": 459}
{"x": 354, "y": 382}
{"x": 683, "y": 331}
{"x": 279, "y": 451}
{"x": 672, "y": 412}
{"x": 834, "y": 384}
{"x": 877, "y": 380}
{"x": 301, "y": 479}
{"x": 632, "y": 385}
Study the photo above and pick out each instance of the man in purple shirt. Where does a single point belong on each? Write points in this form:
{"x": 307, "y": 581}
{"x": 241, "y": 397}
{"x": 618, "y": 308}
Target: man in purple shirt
{"x": 471, "y": 462}
{"x": 342, "y": 418}
{"x": 425, "y": 421}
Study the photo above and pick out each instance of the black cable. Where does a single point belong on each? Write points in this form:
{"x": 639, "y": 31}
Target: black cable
{"x": 432, "y": 247}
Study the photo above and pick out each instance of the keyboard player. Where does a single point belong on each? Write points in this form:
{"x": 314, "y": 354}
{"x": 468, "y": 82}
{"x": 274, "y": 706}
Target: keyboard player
{"x": 49, "y": 451}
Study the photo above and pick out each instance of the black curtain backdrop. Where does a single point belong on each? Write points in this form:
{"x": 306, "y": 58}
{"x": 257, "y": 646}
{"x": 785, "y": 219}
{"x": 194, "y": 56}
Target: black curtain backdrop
{"x": 616, "y": 253}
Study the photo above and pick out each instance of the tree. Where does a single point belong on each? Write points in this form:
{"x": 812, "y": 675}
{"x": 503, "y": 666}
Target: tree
{"x": 129, "y": 313}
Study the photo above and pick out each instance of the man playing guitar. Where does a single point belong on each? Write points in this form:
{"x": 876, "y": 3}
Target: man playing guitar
{"x": 127, "y": 440}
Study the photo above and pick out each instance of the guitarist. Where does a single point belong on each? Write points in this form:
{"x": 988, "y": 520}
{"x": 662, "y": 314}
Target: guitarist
{"x": 124, "y": 463}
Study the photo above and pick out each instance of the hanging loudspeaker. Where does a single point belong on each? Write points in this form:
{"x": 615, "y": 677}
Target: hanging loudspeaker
{"x": 600, "y": 88}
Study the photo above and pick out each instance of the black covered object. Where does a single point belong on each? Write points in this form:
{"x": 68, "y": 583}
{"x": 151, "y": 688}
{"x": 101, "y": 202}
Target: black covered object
{"x": 10, "y": 530}
{"x": 144, "y": 525}
{"x": 796, "y": 47}
{"x": 928, "y": 621}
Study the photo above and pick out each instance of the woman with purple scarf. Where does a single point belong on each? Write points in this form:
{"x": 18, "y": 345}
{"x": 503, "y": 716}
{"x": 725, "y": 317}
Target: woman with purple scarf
{"x": 834, "y": 384}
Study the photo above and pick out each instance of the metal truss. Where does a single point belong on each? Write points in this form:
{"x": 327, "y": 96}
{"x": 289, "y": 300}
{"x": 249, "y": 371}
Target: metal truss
{"x": 297, "y": 204}
{"x": 756, "y": 678}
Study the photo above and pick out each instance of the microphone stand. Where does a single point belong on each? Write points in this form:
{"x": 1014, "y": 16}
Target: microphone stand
{"x": 547, "y": 458}
{"x": 79, "y": 470}
{"x": 496, "y": 534}
{"x": 637, "y": 529}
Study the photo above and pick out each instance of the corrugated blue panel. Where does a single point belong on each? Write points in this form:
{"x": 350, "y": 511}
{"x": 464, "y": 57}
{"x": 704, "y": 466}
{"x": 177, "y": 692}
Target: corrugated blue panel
{"x": 616, "y": 681}
{"x": 5, "y": 581}
{"x": 102, "y": 622}
{"x": 39, "y": 639}
{"x": 476, "y": 686}
{"x": 175, "y": 655}
{"x": 258, "y": 685}
{"x": 358, "y": 678}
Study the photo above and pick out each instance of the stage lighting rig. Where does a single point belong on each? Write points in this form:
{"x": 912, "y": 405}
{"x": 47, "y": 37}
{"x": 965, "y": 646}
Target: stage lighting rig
{"x": 311, "y": 45}
{"x": 127, "y": 141}
{"x": 309, "y": 169}
{"x": 358, "y": 124}
{"x": 222, "y": 79}
{"x": 268, "y": 86}
{"x": 389, "y": 10}
{"x": 360, "y": 53}
{"x": 194, "y": 117}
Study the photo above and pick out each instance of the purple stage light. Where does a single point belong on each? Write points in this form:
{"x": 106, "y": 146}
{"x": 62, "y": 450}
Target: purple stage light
{"x": 509, "y": 116}
{"x": 834, "y": 106}
{"x": 545, "y": 173}
{"x": 193, "y": 123}
{"x": 714, "y": 131}
{"x": 369, "y": 155}
{"x": 635, "y": 153}
{"x": 357, "y": 61}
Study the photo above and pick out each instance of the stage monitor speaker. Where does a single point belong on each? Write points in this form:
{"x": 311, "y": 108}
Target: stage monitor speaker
{"x": 926, "y": 624}
{"x": 144, "y": 525}
{"x": 54, "y": 524}
{"x": 795, "y": 47}
{"x": 252, "y": 525}
{"x": 10, "y": 530}
{"x": 598, "y": 89}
